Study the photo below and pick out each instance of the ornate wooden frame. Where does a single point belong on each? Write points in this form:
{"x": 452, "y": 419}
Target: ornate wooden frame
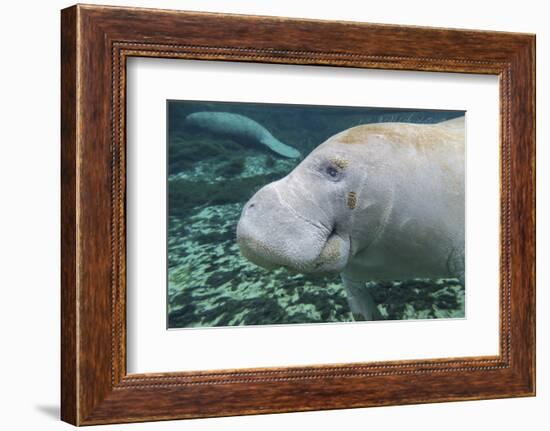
{"x": 95, "y": 42}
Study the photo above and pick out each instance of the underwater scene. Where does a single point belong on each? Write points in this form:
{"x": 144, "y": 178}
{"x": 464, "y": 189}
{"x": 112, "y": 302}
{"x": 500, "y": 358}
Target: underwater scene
{"x": 249, "y": 244}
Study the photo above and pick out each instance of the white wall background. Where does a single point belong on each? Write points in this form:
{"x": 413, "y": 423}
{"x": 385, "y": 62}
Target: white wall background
{"x": 29, "y": 215}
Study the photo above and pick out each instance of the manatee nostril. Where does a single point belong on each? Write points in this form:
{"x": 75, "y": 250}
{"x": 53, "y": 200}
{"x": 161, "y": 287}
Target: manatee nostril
{"x": 252, "y": 205}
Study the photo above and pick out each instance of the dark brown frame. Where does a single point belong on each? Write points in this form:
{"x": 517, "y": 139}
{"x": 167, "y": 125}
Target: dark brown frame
{"x": 95, "y": 43}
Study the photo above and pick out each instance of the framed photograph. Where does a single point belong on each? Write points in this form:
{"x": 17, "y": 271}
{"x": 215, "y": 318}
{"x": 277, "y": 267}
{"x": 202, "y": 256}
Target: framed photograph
{"x": 317, "y": 215}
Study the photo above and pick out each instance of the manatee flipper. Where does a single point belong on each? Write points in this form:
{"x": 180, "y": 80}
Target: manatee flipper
{"x": 360, "y": 300}
{"x": 278, "y": 147}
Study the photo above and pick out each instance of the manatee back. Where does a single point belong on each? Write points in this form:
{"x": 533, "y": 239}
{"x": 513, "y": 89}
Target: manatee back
{"x": 455, "y": 123}
{"x": 444, "y": 135}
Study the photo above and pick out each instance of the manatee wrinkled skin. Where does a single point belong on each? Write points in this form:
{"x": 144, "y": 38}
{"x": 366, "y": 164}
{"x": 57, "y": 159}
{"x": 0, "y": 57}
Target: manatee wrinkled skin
{"x": 375, "y": 202}
{"x": 239, "y": 126}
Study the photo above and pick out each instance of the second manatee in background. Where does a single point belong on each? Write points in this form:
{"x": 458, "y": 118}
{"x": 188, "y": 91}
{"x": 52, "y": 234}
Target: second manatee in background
{"x": 240, "y": 127}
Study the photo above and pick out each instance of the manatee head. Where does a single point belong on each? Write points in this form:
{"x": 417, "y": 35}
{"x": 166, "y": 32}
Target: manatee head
{"x": 303, "y": 222}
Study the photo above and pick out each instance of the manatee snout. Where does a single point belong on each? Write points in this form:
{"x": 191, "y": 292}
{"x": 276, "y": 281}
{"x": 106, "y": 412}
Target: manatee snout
{"x": 272, "y": 232}
{"x": 267, "y": 233}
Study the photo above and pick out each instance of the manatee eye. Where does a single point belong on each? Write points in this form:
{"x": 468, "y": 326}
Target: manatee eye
{"x": 332, "y": 171}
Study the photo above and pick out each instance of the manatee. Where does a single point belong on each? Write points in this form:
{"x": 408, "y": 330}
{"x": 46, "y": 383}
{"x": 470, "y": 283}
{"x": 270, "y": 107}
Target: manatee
{"x": 376, "y": 202}
{"x": 240, "y": 127}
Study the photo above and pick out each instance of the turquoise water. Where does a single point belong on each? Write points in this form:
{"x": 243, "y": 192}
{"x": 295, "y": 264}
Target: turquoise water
{"x": 211, "y": 176}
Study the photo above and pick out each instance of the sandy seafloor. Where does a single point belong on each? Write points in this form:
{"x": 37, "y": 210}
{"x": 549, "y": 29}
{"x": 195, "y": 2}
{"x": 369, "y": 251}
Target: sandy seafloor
{"x": 211, "y": 284}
